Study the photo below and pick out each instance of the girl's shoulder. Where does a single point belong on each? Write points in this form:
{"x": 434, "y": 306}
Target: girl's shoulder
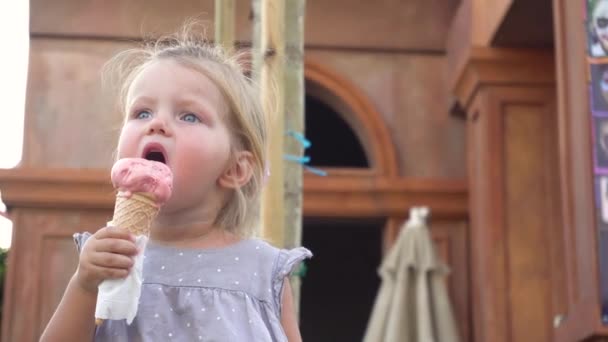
{"x": 283, "y": 258}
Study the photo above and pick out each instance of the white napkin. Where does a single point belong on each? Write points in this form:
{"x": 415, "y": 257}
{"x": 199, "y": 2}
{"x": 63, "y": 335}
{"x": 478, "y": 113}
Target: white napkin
{"x": 119, "y": 298}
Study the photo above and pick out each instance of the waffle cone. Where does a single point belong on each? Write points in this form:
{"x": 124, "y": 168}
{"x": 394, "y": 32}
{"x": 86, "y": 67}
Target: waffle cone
{"x": 135, "y": 213}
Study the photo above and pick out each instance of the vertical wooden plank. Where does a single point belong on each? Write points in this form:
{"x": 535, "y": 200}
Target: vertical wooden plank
{"x": 294, "y": 122}
{"x": 271, "y": 76}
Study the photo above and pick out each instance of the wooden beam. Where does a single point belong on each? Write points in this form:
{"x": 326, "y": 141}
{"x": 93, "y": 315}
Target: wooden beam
{"x": 346, "y": 194}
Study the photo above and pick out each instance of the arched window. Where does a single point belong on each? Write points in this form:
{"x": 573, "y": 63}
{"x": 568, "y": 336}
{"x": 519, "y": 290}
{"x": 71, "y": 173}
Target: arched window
{"x": 334, "y": 142}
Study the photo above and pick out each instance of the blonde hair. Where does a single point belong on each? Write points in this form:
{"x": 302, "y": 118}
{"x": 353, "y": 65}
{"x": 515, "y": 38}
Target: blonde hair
{"x": 246, "y": 119}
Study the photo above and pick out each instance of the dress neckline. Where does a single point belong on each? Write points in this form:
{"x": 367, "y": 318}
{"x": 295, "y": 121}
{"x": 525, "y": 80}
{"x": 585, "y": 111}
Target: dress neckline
{"x": 153, "y": 245}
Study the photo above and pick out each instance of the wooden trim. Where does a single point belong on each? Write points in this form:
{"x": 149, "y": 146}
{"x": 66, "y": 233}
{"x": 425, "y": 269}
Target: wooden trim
{"x": 359, "y": 194}
{"x": 582, "y": 317}
{"x": 507, "y": 67}
{"x": 488, "y": 16}
{"x": 357, "y": 111}
{"x": 381, "y": 197}
{"x": 56, "y": 188}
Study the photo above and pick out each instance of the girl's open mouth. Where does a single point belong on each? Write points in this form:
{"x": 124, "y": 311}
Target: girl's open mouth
{"x": 155, "y": 152}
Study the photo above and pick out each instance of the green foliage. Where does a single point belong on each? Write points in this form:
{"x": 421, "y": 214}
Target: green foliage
{"x": 590, "y": 7}
{"x": 3, "y": 259}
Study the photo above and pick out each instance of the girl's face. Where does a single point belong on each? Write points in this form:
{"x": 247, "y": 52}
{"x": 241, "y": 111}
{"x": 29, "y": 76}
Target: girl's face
{"x": 600, "y": 24}
{"x": 176, "y": 115}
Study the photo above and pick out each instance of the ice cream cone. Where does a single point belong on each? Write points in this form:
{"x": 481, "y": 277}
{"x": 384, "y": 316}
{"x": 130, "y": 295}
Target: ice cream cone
{"x": 135, "y": 213}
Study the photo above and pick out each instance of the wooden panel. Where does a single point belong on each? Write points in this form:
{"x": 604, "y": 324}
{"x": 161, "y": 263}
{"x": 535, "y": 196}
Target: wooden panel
{"x": 338, "y": 23}
{"x": 525, "y": 131}
{"x": 44, "y": 266}
{"x": 70, "y": 121}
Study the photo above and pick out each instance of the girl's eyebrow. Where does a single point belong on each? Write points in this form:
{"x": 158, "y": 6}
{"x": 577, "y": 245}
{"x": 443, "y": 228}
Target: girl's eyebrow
{"x": 140, "y": 99}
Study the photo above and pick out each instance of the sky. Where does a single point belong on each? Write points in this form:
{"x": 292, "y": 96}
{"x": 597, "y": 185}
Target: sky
{"x": 14, "y": 19}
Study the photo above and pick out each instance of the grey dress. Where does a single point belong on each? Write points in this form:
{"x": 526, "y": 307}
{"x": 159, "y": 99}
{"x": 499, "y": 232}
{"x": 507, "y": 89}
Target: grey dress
{"x": 226, "y": 294}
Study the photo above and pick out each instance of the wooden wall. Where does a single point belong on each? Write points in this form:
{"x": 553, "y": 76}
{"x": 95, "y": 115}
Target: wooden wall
{"x": 393, "y": 52}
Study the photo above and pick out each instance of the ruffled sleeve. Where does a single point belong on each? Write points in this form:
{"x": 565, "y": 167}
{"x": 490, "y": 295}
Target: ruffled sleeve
{"x": 80, "y": 239}
{"x": 286, "y": 263}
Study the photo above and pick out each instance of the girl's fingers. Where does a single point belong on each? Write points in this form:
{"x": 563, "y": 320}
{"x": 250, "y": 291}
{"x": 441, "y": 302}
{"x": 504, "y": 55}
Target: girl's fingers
{"x": 111, "y": 260}
{"x": 114, "y": 233}
{"x": 118, "y": 246}
{"x": 110, "y": 273}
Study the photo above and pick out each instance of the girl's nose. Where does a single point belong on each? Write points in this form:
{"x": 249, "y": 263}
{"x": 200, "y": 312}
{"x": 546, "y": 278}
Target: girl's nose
{"x": 158, "y": 126}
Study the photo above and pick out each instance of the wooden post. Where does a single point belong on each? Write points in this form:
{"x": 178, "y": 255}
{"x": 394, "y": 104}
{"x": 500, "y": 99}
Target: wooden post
{"x": 224, "y": 24}
{"x": 256, "y": 39}
{"x": 271, "y": 79}
{"x": 294, "y": 122}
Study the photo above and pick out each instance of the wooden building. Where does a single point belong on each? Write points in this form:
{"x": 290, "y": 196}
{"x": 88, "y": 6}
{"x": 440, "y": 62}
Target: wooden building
{"x": 476, "y": 108}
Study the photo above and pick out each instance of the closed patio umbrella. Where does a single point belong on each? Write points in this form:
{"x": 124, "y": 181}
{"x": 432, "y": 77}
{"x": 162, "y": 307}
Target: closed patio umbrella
{"x": 412, "y": 304}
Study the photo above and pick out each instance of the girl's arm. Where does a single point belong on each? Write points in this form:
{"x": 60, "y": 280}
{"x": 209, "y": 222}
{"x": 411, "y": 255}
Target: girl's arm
{"x": 107, "y": 254}
{"x": 289, "y": 321}
{"x": 74, "y": 318}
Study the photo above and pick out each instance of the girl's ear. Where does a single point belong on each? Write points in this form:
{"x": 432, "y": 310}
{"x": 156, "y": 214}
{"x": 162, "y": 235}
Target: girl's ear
{"x": 239, "y": 173}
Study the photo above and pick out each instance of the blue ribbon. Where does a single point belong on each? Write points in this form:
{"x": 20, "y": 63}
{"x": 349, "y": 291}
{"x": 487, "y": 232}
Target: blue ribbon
{"x": 300, "y": 138}
{"x": 303, "y": 160}
{"x": 300, "y": 160}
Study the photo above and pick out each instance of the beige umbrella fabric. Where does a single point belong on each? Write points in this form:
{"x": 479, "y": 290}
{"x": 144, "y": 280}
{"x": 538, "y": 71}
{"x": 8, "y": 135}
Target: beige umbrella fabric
{"x": 412, "y": 304}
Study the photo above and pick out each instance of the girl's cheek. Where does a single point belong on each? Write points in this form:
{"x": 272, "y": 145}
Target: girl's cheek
{"x": 126, "y": 144}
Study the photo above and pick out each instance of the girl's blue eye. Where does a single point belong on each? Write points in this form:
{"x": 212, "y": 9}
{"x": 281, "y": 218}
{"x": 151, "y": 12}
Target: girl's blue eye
{"x": 144, "y": 114}
{"x": 190, "y": 118}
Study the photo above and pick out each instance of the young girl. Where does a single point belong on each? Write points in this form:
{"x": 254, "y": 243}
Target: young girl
{"x": 205, "y": 277}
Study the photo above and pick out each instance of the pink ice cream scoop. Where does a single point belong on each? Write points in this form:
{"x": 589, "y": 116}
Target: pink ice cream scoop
{"x": 138, "y": 175}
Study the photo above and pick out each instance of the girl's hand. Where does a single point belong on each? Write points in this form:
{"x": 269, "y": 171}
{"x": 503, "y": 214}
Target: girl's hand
{"x": 107, "y": 254}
